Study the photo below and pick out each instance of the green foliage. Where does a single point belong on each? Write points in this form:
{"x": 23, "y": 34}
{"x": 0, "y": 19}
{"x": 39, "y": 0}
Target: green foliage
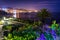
{"x": 9, "y": 37}
{"x": 8, "y": 27}
{"x": 28, "y": 34}
{"x": 54, "y": 26}
{"x": 58, "y": 31}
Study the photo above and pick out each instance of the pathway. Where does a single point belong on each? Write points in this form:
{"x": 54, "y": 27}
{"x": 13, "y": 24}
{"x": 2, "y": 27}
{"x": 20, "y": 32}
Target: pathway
{"x": 1, "y": 32}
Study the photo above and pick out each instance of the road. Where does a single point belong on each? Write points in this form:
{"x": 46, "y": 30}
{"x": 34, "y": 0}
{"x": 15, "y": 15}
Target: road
{"x": 1, "y": 32}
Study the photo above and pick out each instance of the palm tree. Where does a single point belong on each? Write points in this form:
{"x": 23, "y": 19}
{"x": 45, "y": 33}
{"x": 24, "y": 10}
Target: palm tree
{"x": 43, "y": 14}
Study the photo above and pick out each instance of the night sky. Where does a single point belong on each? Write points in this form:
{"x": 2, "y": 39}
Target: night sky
{"x": 51, "y": 5}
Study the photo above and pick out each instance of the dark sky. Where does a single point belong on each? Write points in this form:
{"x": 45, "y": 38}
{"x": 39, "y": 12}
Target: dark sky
{"x": 52, "y": 5}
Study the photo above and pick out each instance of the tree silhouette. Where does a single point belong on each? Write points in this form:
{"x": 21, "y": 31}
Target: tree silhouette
{"x": 43, "y": 14}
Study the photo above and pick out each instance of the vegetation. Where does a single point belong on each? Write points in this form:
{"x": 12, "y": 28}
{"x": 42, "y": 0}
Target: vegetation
{"x": 28, "y": 34}
{"x": 30, "y": 31}
{"x": 9, "y": 27}
{"x": 43, "y": 15}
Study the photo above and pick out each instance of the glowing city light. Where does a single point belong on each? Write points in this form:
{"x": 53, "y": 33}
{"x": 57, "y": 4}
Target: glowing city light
{"x": 21, "y": 11}
{"x": 29, "y": 11}
{"x": 35, "y": 11}
{"x": 14, "y": 11}
{"x": 4, "y": 9}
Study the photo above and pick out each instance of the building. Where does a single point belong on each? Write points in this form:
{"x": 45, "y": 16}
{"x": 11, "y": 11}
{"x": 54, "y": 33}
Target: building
{"x": 25, "y": 16}
{"x": 20, "y": 13}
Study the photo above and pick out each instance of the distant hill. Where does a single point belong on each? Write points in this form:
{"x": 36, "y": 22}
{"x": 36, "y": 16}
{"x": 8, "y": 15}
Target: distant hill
{"x": 4, "y": 14}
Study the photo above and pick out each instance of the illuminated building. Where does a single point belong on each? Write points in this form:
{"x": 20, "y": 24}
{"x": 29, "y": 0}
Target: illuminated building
{"x": 19, "y": 13}
{"x": 14, "y": 13}
{"x": 10, "y": 10}
{"x": 4, "y": 9}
